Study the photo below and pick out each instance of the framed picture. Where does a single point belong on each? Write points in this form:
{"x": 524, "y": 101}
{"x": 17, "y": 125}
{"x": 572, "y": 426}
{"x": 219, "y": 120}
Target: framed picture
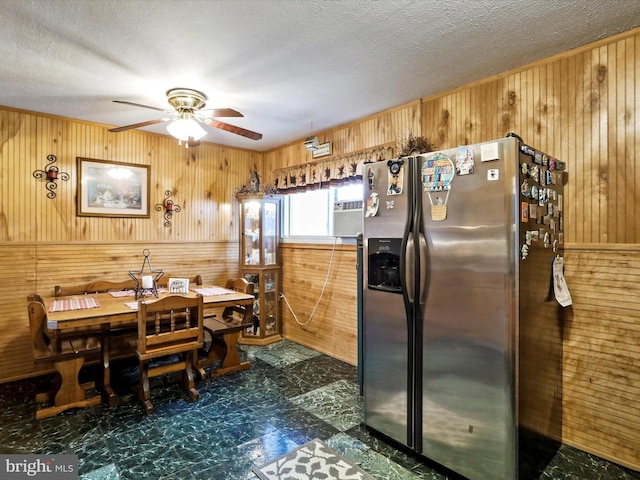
{"x": 112, "y": 189}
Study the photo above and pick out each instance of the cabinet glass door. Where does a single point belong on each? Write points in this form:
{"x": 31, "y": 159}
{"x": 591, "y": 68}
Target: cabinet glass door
{"x": 270, "y": 302}
{"x": 270, "y": 226}
{"x": 251, "y": 232}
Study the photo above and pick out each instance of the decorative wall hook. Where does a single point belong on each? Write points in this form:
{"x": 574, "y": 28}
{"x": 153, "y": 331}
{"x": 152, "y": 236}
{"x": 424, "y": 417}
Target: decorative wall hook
{"x": 169, "y": 208}
{"x": 146, "y": 284}
{"x": 51, "y": 173}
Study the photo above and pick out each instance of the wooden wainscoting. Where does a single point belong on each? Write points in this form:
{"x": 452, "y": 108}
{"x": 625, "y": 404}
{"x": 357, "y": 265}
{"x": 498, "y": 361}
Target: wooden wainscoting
{"x": 39, "y": 267}
{"x": 334, "y": 327}
{"x": 601, "y": 413}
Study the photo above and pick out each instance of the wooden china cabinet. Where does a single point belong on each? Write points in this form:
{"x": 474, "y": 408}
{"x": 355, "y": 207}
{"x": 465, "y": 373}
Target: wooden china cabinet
{"x": 260, "y": 264}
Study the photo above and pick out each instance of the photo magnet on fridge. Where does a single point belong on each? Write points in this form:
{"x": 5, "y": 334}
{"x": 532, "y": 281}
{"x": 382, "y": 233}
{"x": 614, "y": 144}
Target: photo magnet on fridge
{"x": 464, "y": 161}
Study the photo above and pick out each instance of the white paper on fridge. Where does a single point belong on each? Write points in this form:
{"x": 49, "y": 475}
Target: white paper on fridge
{"x": 489, "y": 151}
{"x": 560, "y": 288}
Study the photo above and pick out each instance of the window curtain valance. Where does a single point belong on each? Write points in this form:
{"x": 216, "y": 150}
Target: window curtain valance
{"x": 330, "y": 172}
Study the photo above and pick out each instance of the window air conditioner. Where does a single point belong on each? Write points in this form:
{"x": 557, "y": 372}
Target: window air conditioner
{"x": 347, "y": 218}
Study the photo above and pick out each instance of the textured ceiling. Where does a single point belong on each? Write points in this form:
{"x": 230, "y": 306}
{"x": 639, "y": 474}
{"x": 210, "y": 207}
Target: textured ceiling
{"x": 291, "y": 67}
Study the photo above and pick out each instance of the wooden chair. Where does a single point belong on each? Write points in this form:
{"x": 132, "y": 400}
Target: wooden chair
{"x": 67, "y": 356}
{"x": 169, "y": 326}
{"x": 225, "y": 332}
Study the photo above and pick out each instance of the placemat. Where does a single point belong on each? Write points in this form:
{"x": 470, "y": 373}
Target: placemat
{"x": 132, "y": 305}
{"x": 122, "y": 293}
{"x": 64, "y": 305}
{"x": 211, "y": 291}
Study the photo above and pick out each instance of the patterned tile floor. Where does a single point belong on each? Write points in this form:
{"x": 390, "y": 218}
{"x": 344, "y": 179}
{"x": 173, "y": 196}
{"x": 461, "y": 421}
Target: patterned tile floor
{"x": 289, "y": 396}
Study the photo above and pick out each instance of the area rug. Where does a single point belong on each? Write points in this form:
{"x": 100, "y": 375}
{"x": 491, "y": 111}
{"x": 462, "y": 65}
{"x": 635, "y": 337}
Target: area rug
{"x": 313, "y": 460}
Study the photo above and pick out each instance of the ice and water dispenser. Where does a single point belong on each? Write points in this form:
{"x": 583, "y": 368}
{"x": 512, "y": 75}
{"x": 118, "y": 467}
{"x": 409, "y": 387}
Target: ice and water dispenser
{"x": 384, "y": 264}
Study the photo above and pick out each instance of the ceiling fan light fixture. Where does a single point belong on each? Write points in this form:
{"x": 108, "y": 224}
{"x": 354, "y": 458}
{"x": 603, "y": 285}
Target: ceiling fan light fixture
{"x": 185, "y": 127}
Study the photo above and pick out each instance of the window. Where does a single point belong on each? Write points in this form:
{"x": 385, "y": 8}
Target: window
{"x": 310, "y": 213}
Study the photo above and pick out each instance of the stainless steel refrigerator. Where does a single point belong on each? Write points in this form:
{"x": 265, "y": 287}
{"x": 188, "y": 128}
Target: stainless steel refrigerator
{"x": 462, "y": 336}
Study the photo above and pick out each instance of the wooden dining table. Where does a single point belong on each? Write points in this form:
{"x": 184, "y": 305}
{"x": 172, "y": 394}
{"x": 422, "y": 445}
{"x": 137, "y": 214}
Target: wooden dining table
{"x": 112, "y": 314}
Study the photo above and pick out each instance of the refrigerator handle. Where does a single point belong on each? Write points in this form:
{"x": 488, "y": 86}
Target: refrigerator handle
{"x": 423, "y": 267}
{"x": 409, "y": 269}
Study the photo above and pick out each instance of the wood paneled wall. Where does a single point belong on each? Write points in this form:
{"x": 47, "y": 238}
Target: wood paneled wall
{"x": 202, "y": 180}
{"x": 332, "y": 329}
{"x": 380, "y": 129}
{"x": 583, "y": 107}
{"x": 601, "y": 351}
{"x": 44, "y": 243}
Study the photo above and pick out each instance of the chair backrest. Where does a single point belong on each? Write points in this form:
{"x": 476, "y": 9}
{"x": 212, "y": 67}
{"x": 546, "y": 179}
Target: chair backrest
{"x": 237, "y": 314}
{"x": 37, "y": 321}
{"x": 172, "y": 324}
{"x": 240, "y": 285}
{"x": 98, "y": 286}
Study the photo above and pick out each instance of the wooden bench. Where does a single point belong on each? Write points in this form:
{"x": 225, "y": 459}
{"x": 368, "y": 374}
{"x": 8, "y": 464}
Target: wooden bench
{"x": 67, "y": 355}
{"x": 225, "y": 332}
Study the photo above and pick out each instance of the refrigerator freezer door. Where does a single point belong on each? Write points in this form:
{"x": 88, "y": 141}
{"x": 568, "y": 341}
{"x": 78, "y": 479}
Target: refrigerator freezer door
{"x": 385, "y": 332}
{"x": 468, "y": 361}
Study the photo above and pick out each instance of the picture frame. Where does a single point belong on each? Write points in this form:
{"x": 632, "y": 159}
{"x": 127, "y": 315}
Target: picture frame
{"x": 112, "y": 189}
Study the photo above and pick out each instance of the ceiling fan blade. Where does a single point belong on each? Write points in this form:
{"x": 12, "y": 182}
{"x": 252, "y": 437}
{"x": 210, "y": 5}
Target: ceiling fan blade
{"x": 233, "y": 129}
{"x": 140, "y": 105}
{"x": 221, "y": 112}
{"x": 138, "y": 125}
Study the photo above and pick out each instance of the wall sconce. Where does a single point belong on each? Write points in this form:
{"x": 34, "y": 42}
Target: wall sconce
{"x": 51, "y": 174}
{"x": 146, "y": 284}
{"x": 169, "y": 208}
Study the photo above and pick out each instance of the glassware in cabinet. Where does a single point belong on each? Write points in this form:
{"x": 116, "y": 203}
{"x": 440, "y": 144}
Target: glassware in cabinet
{"x": 259, "y": 264}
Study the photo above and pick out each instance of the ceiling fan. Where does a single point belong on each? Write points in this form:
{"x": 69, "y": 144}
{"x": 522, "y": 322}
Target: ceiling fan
{"x": 187, "y": 114}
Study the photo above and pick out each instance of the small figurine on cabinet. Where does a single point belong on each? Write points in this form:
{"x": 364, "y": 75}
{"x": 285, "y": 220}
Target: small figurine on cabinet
{"x": 254, "y": 182}
{"x": 255, "y": 186}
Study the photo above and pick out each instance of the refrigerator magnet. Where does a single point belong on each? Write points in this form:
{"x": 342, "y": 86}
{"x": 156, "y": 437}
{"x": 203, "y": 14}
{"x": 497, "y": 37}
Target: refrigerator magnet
{"x": 373, "y": 202}
{"x": 396, "y": 183}
{"x": 437, "y": 173}
{"x": 524, "y": 209}
{"x": 464, "y": 161}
